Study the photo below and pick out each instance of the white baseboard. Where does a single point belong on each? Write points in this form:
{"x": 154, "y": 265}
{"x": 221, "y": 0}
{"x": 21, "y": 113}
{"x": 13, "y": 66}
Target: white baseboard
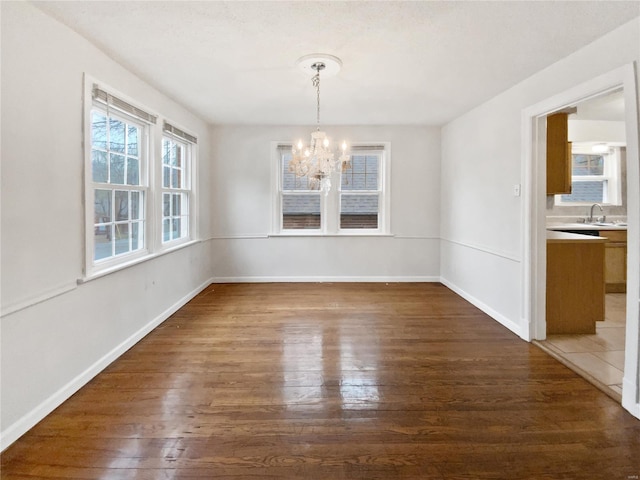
{"x": 318, "y": 279}
{"x": 506, "y": 322}
{"x": 629, "y": 398}
{"x": 28, "y": 421}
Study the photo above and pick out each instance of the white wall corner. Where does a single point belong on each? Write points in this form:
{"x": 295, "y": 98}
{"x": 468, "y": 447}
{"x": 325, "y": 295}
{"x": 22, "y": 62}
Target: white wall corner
{"x": 14, "y": 431}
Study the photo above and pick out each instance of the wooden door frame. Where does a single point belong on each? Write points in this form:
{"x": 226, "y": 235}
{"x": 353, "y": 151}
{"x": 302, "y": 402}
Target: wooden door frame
{"x": 534, "y": 214}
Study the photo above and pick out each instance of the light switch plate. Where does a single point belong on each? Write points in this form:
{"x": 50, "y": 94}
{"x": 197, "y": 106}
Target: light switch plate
{"x": 516, "y": 190}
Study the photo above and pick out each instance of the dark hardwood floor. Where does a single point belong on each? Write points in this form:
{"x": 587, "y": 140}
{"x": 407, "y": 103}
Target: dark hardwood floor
{"x": 327, "y": 382}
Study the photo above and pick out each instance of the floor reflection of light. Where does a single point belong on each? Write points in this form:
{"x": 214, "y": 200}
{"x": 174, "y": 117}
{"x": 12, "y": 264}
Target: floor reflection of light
{"x": 302, "y": 354}
{"x": 130, "y": 455}
{"x": 359, "y": 371}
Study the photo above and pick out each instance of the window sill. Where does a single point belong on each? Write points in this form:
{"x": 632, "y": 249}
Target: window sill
{"x": 320, "y": 234}
{"x": 134, "y": 261}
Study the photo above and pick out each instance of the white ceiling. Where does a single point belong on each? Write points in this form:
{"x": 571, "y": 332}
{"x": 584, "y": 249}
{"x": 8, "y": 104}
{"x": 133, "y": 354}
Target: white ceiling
{"x": 423, "y": 62}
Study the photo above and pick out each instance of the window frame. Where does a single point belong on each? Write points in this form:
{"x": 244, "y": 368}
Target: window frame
{"x": 380, "y": 192}
{"x": 612, "y": 177}
{"x": 93, "y": 266}
{"x": 330, "y": 204}
{"x": 155, "y": 129}
{"x": 187, "y": 190}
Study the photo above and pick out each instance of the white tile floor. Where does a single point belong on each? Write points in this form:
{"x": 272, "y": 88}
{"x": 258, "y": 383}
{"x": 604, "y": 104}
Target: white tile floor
{"x": 600, "y": 357}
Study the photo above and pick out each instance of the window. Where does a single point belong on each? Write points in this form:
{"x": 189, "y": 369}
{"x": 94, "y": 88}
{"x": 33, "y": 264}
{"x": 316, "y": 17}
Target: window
{"x": 595, "y": 177}
{"x": 356, "y": 203}
{"x": 360, "y": 191}
{"x": 301, "y": 204}
{"x": 137, "y": 205}
{"x": 175, "y": 190}
{"x": 118, "y": 186}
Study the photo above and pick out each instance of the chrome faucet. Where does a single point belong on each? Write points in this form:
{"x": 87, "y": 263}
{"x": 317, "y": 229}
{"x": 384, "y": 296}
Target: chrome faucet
{"x": 590, "y": 220}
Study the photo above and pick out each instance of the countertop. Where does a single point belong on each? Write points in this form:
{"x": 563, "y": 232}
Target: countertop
{"x": 587, "y": 226}
{"x": 563, "y": 237}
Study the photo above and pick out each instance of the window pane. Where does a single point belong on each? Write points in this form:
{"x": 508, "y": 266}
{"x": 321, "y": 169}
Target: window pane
{"x": 166, "y": 177}
{"x": 371, "y": 182}
{"x": 133, "y": 173}
{"x": 99, "y": 166}
{"x": 359, "y": 211}
{"x": 98, "y": 131}
{"x": 301, "y": 211}
{"x": 121, "y": 206}
{"x": 178, "y": 156}
{"x": 136, "y": 236}
{"x": 133, "y": 148}
{"x": 175, "y": 230}
{"x": 102, "y": 242}
{"x": 587, "y": 192}
{"x": 136, "y": 208}
{"x": 166, "y": 230}
{"x": 358, "y": 163}
{"x": 122, "y": 237}
{"x": 358, "y": 182}
{"x": 372, "y": 164}
{"x": 116, "y": 135}
{"x": 102, "y": 206}
{"x": 290, "y": 181}
{"x": 363, "y": 174}
{"x": 177, "y": 210}
{"x": 587, "y": 164}
{"x": 166, "y": 204}
{"x": 596, "y": 165}
{"x": 117, "y": 168}
{"x": 166, "y": 152}
{"x": 176, "y": 178}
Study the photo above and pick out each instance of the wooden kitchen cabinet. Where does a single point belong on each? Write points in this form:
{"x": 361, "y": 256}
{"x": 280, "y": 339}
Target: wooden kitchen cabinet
{"x": 575, "y": 282}
{"x": 615, "y": 260}
{"x": 558, "y": 154}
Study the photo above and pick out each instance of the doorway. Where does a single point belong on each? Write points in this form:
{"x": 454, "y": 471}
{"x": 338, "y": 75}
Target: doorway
{"x": 593, "y": 203}
{"x": 534, "y": 214}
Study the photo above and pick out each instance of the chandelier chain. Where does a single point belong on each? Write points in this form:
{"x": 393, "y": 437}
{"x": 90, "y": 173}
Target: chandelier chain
{"x": 316, "y": 83}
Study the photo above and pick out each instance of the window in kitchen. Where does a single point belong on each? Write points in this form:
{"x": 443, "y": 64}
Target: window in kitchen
{"x": 595, "y": 177}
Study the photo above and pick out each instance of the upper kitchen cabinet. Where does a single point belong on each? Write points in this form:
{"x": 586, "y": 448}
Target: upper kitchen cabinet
{"x": 558, "y": 155}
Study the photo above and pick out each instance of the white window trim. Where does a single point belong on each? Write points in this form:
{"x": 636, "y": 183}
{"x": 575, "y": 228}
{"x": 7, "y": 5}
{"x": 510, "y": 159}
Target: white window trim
{"x": 153, "y": 194}
{"x": 330, "y": 205}
{"x": 612, "y": 174}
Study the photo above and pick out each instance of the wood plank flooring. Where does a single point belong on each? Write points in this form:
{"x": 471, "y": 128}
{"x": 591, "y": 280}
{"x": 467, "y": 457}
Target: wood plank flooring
{"x": 329, "y": 382}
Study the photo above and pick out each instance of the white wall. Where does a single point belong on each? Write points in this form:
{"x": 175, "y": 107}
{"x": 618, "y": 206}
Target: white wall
{"x": 57, "y": 334}
{"x": 241, "y": 215}
{"x": 481, "y": 220}
{"x": 596, "y": 131}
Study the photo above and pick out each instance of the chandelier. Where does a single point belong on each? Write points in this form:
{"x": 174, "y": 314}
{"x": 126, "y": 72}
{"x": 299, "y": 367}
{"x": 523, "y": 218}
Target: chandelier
{"x": 318, "y": 160}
